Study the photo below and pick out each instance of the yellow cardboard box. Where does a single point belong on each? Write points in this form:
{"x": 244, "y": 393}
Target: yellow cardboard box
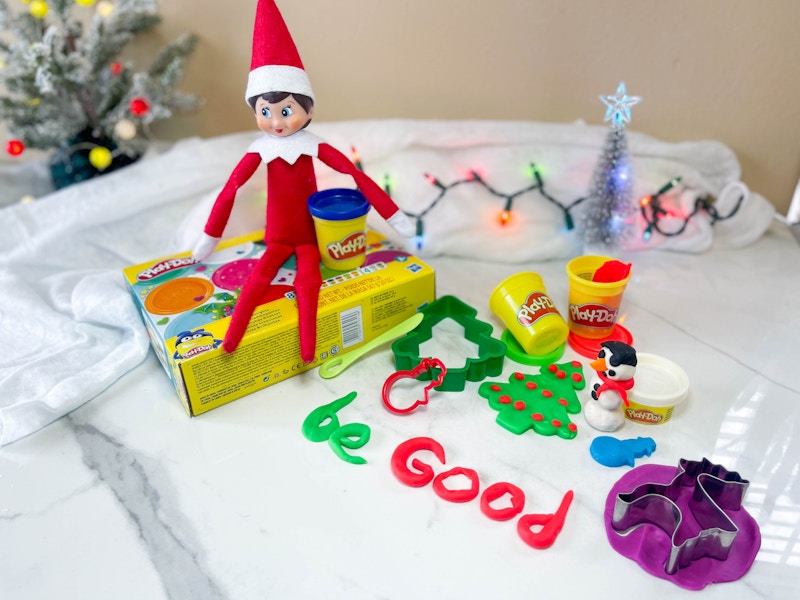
{"x": 186, "y": 307}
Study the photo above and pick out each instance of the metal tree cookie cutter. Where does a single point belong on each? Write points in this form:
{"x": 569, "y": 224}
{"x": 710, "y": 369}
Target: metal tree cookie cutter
{"x": 491, "y": 351}
{"x": 694, "y": 519}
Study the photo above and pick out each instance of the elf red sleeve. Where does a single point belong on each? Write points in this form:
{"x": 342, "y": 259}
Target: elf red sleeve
{"x": 223, "y": 205}
{"x": 376, "y": 196}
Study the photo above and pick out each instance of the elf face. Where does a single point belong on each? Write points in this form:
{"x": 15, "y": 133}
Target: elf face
{"x": 282, "y": 118}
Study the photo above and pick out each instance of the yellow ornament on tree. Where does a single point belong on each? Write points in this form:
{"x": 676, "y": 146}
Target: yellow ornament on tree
{"x": 39, "y": 9}
{"x": 85, "y": 2}
{"x": 100, "y": 158}
{"x": 105, "y": 8}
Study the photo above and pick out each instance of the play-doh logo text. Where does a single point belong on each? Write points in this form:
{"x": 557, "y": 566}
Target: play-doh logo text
{"x": 643, "y": 416}
{"x": 349, "y": 247}
{"x": 165, "y": 266}
{"x": 592, "y": 315}
{"x": 536, "y": 306}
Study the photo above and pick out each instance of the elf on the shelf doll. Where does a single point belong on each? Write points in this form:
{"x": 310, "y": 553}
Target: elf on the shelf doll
{"x": 280, "y": 93}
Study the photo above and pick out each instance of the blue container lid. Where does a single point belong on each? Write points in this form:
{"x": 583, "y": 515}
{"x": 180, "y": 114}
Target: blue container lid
{"x": 338, "y": 204}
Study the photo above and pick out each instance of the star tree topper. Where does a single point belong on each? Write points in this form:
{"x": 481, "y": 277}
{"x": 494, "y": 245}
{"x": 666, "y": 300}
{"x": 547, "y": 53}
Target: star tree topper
{"x": 619, "y": 106}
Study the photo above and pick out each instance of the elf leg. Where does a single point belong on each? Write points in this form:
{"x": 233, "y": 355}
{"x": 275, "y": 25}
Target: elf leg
{"x": 253, "y": 290}
{"x": 307, "y": 285}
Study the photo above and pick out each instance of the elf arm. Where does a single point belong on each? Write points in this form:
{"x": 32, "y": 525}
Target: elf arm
{"x": 371, "y": 190}
{"x": 223, "y": 205}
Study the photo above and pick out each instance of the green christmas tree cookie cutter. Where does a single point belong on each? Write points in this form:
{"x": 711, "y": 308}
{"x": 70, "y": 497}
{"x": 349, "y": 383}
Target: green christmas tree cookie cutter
{"x": 491, "y": 351}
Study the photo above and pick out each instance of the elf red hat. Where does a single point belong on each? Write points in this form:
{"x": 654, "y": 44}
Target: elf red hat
{"x": 276, "y": 64}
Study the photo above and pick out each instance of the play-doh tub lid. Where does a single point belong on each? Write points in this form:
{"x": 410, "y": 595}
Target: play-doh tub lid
{"x": 659, "y": 382}
{"x": 338, "y": 204}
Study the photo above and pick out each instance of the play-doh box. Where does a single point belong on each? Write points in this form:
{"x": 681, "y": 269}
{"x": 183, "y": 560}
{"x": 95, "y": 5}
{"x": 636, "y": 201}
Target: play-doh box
{"x": 186, "y": 305}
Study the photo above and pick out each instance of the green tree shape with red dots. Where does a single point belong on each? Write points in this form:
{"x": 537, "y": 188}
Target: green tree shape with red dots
{"x": 540, "y": 402}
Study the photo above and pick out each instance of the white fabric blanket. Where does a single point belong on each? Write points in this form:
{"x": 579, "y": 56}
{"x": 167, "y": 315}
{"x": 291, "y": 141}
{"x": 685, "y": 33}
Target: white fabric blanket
{"x": 70, "y": 328}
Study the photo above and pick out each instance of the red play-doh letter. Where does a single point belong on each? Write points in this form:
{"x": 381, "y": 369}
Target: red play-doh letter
{"x": 424, "y": 473}
{"x": 550, "y": 525}
{"x": 464, "y": 495}
{"x": 497, "y": 490}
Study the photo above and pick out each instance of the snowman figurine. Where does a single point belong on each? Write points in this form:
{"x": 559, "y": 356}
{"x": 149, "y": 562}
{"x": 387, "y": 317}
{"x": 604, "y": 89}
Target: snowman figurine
{"x": 614, "y": 370}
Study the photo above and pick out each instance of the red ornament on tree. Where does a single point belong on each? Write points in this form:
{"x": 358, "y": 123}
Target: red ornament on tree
{"x": 139, "y": 107}
{"x": 116, "y": 68}
{"x": 15, "y": 147}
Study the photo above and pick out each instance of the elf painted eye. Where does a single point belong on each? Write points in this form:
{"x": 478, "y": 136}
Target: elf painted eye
{"x": 265, "y": 112}
{"x": 286, "y": 111}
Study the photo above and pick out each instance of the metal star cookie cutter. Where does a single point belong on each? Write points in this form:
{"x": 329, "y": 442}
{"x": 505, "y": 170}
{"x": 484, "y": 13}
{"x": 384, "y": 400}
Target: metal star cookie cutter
{"x": 491, "y": 351}
{"x": 714, "y": 490}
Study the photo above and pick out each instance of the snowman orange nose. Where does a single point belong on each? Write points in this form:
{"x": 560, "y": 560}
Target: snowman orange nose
{"x": 599, "y": 364}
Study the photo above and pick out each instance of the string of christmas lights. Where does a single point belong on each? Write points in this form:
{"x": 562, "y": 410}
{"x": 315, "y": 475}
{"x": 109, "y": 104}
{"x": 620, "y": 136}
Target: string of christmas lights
{"x": 651, "y": 206}
{"x": 657, "y": 212}
{"x": 508, "y": 199}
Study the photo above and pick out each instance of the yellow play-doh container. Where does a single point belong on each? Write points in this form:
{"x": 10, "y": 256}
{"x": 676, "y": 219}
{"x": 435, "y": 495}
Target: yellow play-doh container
{"x": 522, "y": 303}
{"x": 593, "y": 306}
{"x": 659, "y": 386}
{"x": 340, "y": 221}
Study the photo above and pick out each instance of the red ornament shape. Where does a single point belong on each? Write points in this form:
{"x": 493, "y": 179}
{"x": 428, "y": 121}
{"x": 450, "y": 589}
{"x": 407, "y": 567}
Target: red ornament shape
{"x": 139, "y": 107}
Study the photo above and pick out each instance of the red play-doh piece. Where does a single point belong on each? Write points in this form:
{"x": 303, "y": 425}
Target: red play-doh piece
{"x": 611, "y": 271}
{"x": 464, "y": 495}
{"x": 497, "y": 490}
{"x": 403, "y": 452}
{"x": 550, "y": 525}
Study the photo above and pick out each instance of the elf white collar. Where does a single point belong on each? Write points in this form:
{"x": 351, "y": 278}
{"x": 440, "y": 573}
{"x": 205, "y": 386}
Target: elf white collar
{"x": 288, "y": 148}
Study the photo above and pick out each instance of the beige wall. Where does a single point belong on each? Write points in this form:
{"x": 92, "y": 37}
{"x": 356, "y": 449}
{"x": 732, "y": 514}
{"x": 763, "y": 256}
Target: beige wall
{"x": 706, "y": 69}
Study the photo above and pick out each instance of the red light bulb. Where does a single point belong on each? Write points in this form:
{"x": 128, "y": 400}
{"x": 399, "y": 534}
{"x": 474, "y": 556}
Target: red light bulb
{"x": 15, "y": 147}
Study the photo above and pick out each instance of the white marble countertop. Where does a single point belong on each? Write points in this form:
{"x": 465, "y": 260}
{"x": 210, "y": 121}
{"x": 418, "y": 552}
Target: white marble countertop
{"x": 127, "y": 497}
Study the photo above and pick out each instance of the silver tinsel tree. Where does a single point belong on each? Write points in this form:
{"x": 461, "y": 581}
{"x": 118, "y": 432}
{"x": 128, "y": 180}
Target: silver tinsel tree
{"x": 66, "y": 87}
{"x": 609, "y": 211}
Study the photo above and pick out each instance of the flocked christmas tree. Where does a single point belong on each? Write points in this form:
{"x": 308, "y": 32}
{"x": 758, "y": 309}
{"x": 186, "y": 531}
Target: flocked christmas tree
{"x": 610, "y": 210}
{"x": 66, "y": 87}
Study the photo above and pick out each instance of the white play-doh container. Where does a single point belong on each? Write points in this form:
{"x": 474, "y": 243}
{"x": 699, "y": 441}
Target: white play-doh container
{"x": 659, "y": 386}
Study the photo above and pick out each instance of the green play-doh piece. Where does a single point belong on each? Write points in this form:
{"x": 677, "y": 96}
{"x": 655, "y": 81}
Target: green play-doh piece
{"x": 313, "y": 428}
{"x": 353, "y": 436}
